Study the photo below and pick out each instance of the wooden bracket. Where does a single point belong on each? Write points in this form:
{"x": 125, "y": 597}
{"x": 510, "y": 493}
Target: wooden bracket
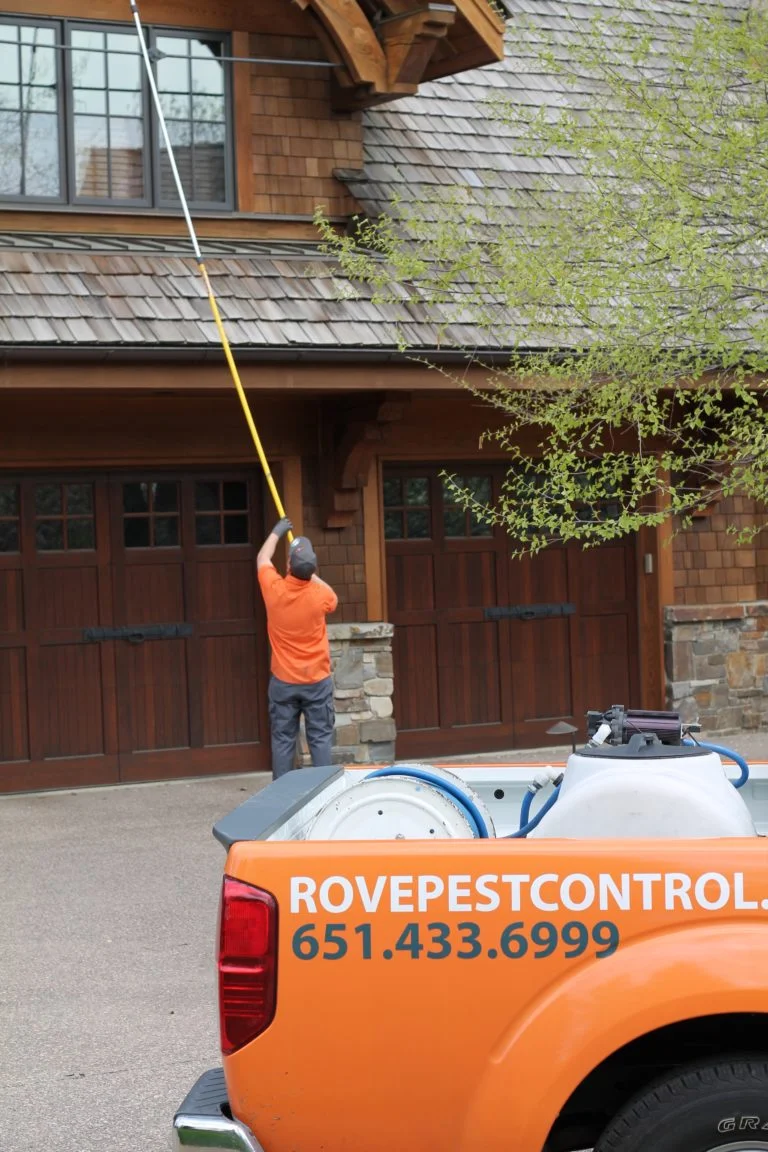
{"x": 390, "y": 57}
{"x": 409, "y": 41}
{"x": 351, "y": 437}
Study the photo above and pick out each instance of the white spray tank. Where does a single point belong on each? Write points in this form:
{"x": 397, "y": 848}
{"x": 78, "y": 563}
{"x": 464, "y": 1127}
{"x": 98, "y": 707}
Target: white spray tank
{"x": 635, "y": 778}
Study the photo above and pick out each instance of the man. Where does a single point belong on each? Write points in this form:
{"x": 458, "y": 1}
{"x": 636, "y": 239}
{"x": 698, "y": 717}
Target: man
{"x": 297, "y": 606}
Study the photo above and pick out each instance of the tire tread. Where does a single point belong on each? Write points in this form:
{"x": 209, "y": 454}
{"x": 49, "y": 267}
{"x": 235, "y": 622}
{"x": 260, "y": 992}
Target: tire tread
{"x": 748, "y": 1072}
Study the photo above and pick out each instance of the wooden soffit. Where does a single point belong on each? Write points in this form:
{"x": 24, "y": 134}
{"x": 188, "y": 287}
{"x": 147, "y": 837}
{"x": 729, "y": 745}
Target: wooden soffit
{"x": 387, "y": 48}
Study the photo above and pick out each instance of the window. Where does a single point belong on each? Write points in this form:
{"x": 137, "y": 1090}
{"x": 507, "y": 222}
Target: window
{"x": 64, "y": 518}
{"x": 151, "y": 514}
{"x": 78, "y": 124}
{"x": 458, "y": 521}
{"x": 221, "y": 512}
{"x": 407, "y": 512}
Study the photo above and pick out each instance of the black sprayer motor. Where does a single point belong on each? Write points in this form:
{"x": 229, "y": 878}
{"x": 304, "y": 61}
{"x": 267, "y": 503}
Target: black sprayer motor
{"x": 625, "y": 723}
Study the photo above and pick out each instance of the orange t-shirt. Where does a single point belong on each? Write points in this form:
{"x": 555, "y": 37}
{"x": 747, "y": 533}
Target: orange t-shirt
{"x": 296, "y": 612}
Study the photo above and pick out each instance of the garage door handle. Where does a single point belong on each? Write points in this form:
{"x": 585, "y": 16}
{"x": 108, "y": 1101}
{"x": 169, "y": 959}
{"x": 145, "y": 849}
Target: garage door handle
{"x": 138, "y": 635}
{"x": 528, "y": 611}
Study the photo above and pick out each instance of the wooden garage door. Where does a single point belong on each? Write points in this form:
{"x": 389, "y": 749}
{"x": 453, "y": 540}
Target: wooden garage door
{"x": 491, "y": 651}
{"x": 132, "y": 641}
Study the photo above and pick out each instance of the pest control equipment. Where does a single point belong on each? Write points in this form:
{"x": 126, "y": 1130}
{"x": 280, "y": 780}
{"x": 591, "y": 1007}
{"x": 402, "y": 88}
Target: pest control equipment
{"x": 639, "y": 775}
{"x": 405, "y": 802}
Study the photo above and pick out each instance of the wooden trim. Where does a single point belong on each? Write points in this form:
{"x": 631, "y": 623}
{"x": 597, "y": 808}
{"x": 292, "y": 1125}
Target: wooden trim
{"x": 265, "y": 16}
{"x": 243, "y": 133}
{"x": 649, "y": 621}
{"x": 354, "y": 38}
{"x": 375, "y": 571}
{"x": 484, "y": 21}
{"x": 410, "y": 40}
{"x": 63, "y": 375}
{"x": 110, "y": 223}
{"x": 291, "y": 494}
{"x": 666, "y": 563}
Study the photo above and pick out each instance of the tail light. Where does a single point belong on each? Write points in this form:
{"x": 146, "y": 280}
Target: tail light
{"x": 247, "y": 963}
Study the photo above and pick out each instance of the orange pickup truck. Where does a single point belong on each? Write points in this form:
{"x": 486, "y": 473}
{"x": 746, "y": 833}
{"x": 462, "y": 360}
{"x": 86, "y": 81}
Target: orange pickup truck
{"x": 410, "y": 960}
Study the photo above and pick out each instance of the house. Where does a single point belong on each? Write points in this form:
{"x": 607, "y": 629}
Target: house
{"x": 132, "y": 635}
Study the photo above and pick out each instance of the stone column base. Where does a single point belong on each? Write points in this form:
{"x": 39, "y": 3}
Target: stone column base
{"x": 716, "y": 659}
{"x": 361, "y": 664}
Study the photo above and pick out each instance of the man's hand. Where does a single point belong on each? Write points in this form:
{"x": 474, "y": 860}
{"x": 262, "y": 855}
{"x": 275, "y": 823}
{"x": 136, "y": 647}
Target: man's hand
{"x": 267, "y": 550}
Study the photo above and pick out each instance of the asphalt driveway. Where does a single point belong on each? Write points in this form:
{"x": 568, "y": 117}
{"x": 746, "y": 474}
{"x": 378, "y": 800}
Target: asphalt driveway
{"x": 108, "y": 904}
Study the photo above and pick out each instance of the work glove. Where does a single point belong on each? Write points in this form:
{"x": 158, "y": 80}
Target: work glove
{"x": 282, "y": 527}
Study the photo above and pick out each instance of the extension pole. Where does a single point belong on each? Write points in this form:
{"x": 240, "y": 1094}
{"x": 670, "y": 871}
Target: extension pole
{"x": 201, "y": 266}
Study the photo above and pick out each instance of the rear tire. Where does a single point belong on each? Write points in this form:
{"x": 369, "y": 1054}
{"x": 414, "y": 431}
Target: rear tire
{"x": 719, "y": 1106}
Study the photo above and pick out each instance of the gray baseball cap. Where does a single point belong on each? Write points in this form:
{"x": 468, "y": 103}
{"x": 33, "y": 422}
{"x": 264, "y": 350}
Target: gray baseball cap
{"x": 302, "y": 560}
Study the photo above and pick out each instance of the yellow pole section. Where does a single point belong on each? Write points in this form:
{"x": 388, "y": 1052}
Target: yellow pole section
{"x": 241, "y": 393}
{"x": 198, "y": 256}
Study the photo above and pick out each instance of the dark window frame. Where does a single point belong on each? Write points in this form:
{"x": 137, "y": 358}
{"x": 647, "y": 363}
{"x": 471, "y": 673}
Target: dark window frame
{"x": 19, "y": 21}
{"x": 152, "y": 133}
{"x": 155, "y": 32}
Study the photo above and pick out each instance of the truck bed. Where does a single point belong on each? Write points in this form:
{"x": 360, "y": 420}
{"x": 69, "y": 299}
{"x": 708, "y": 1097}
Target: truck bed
{"x": 284, "y": 810}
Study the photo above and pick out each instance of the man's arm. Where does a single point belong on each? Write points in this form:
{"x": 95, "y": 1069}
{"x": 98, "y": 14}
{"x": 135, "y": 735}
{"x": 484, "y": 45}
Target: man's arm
{"x": 267, "y": 550}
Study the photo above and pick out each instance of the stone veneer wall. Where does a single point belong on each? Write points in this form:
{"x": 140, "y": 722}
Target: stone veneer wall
{"x": 717, "y": 665}
{"x": 361, "y": 662}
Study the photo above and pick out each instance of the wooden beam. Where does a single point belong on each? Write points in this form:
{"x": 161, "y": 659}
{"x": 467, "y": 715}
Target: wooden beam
{"x": 108, "y": 223}
{"x": 58, "y": 374}
{"x": 241, "y": 92}
{"x": 485, "y": 22}
{"x": 354, "y": 37}
{"x": 291, "y": 493}
{"x": 375, "y": 571}
{"x": 410, "y": 40}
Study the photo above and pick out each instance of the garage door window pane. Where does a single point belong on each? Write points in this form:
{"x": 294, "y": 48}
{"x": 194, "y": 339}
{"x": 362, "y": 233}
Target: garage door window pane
{"x": 136, "y": 532}
{"x": 393, "y": 526}
{"x": 135, "y": 497}
{"x": 235, "y": 529}
{"x": 235, "y": 496}
{"x": 206, "y": 496}
{"x": 79, "y": 498}
{"x": 80, "y": 535}
{"x": 417, "y": 491}
{"x": 454, "y": 521}
{"x": 165, "y": 497}
{"x": 393, "y": 492}
{"x": 47, "y": 499}
{"x": 49, "y": 535}
{"x": 418, "y": 525}
{"x": 166, "y": 532}
{"x": 9, "y": 536}
{"x": 207, "y": 530}
{"x": 9, "y": 500}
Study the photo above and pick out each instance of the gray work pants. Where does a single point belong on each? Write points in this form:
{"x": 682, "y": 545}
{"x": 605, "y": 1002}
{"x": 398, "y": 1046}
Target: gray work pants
{"x": 286, "y": 704}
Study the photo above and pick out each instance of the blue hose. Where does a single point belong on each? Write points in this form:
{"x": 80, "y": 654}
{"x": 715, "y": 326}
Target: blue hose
{"x": 729, "y": 755}
{"x": 470, "y": 809}
{"x": 525, "y": 807}
{"x": 531, "y": 824}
